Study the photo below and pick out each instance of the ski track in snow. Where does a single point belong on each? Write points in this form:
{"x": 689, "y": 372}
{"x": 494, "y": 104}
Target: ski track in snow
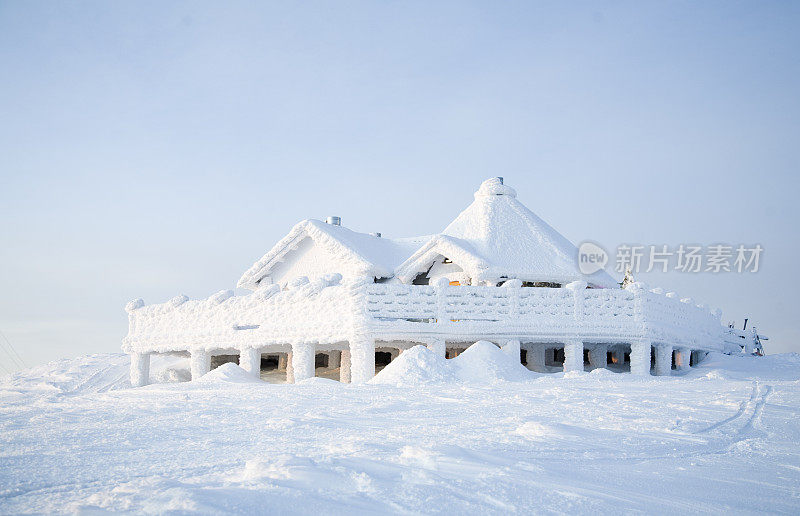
{"x": 75, "y": 438}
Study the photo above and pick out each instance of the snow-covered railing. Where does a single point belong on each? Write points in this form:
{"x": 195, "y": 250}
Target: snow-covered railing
{"x": 589, "y": 313}
{"x": 327, "y": 311}
{"x": 668, "y": 317}
{"x": 318, "y": 311}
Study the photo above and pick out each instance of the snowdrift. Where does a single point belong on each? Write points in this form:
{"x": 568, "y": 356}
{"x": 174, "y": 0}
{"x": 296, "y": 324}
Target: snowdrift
{"x": 483, "y": 362}
{"x": 415, "y": 366}
{"x": 228, "y": 373}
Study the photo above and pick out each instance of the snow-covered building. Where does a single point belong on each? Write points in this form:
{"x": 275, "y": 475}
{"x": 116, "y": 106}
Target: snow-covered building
{"x": 328, "y": 295}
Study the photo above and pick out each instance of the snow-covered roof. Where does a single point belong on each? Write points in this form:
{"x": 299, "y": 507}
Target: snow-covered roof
{"x": 497, "y": 236}
{"x": 369, "y": 254}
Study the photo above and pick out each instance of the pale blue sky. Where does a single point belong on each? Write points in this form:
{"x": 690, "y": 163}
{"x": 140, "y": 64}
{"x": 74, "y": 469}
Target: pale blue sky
{"x": 149, "y": 149}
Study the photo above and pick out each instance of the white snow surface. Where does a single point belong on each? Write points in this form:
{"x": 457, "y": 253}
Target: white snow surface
{"x": 721, "y": 438}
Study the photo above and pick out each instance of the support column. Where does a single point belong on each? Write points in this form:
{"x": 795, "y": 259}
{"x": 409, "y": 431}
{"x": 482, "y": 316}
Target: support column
{"x": 344, "y": 371}
{"x": 536, "y": 358}
{"x": 550, "y": 356}
{"x": 573, "y": 356}
{"x": 598, "y": 356}
{"x": 200, "y": 363}
{"x": 140, "y": 369}
{"x": 512, "y": 347}
{"x": 640, "y": 358}
{"x": 663, "y": 360}
{"x": 438, "y": 347}
{"x": 683, "y": 358}
{"x": 282, "y": 360}
{"x": 289, "y": 368}
{"x": 250, "y": 361}
{"x": 362, "y": 359}
{"x": 334, "y": 359}
{"x": 303, "y": 358}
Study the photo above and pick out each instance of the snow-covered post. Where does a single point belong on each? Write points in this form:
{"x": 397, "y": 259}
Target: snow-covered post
{"x": 438, "y": 346}
{"x": 749, "y": 344}
{"x": 334, "y": 359}
{"x": 440, "y": 287}
{"x": 640, "y": 358}
{"x": 200, "y": 363}
{"x": 303, "y": 361}
{"x": 250, "y": 360}
{"x": 549, "y": 356}
{"x": 514, "y": 288}
{"x": 598, "y": 356}
{"x": 512, "y": 347}
{"x": 573, "y": 349}
{"x": 638, "y": 290}
{"x": 682, "y": 359}
{"x": 573, "y": 356}
{"x": 578, "y": 289}
{"x": 663, "y": 360}
{"x": 362, "y": 359}
{"x": 140, "y": 369}
{"x": 536, "y": 357}
{"x": 289, "y": 368}
{"x": 344, "y": 371}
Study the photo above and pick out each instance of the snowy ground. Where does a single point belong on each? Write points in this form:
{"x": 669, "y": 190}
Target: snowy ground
{"x": 724, "y": 438}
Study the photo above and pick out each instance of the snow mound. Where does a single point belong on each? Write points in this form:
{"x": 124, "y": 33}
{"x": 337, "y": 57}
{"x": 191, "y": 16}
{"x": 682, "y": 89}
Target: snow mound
{"x": 317, "y": 380}
{"x": 484, "y": 362}
{"x": 415, "y": 366}
{"x": 602, "y": 372}
{"x": 228, "y": 373}
{"x": 88, "y": 374}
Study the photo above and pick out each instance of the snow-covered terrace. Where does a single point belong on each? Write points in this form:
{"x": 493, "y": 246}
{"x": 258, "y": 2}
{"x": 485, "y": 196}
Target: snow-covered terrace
{"x": 330, "y": 314}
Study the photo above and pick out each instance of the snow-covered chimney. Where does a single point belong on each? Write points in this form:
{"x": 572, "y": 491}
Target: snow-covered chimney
{"x": 501, "y": 179}
{"x": 334, "y": 221}
{"x": 377, "y": 235}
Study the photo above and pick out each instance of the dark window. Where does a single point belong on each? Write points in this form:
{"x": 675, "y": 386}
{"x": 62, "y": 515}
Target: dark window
{"x": 382, "y": 358}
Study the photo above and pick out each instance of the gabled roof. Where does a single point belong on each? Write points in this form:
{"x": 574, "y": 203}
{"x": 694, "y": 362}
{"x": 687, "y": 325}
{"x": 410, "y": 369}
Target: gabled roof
{"x": 370, "y": 255}
{"x": 497, "y": 236}
{"x": 459, "y": 251}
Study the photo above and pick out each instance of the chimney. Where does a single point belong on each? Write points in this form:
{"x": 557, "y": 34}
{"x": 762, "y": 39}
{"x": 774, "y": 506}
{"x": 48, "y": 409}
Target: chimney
{"x": 501, "y": 179}
{"x": 376, "y": 235}
{"x": 334, "y": 221}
